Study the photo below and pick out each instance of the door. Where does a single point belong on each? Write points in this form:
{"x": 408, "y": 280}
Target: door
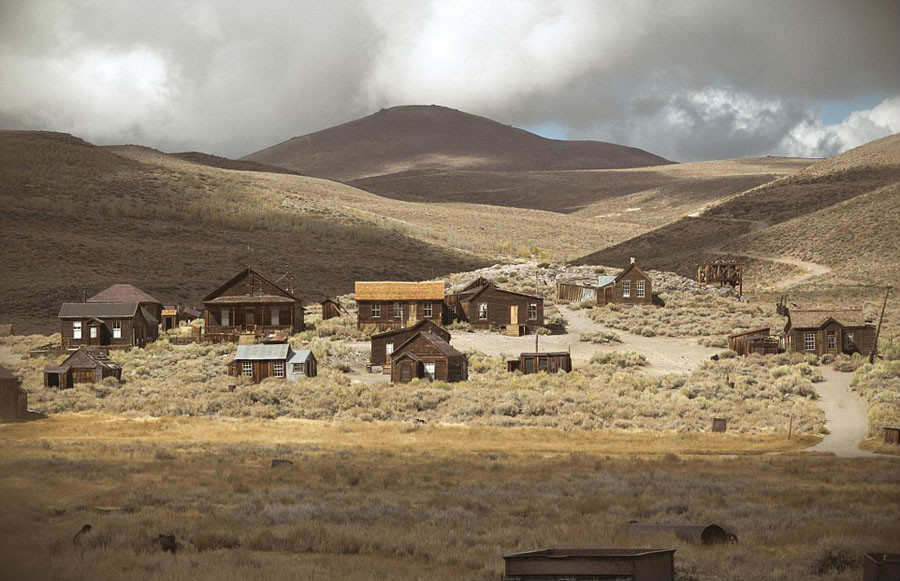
{"x": 250, "y": 319}
{"x": 406, "y": 372}
{"x": 413, "y": 312}
{"x": 513, "y": 314}
{"x": 529, "y": 365}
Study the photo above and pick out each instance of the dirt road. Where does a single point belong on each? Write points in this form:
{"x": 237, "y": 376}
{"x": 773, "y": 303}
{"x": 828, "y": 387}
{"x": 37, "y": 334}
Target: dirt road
{"x": 813, "y": 268}
{"x": 845, "y": 416}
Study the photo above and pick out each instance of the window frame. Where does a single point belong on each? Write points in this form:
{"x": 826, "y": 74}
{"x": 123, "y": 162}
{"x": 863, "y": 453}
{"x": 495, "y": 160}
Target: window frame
{"x": 376, "y": 310}
{"x": 640, "y": 289}
{"x": 76, "y": 330}
{"x": 398, "y": 310}
{"x": 225, "y": 317}
{"x": 429, "y": 374}
{"x": 389, "y": 348}
{"x": 275, "y": 316}
{"x": 298, "y": 368}
{"x": 532, "y": 311}
{"x": 94, "y": 332}
{"x": 428, "y": 310}
{"x": 278, "y": 366}
{"x": 809, "y": 341}
{"x": 831, "y": 340}
{"x": 626, "y": 289}
{"x": 117, "y": 329}
{"x": 482, "y": 307}
{"x": 247, "y": 368}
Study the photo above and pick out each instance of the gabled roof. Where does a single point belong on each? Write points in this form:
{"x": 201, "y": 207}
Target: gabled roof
{"x": 122, "y": 293}
{"x": 420, "y": 326}
{"x": 86, "y": 358}
{"x": 441, "y": 345}
{"x": 399, "y": 291}
{"x": 99, "y": 310}
{"x": 472, "y": 294}
{"x": 815, "y": 318}
{"x": 750, "y": 332}
{"x": 243, "y": 274}
{"x": 628, "y": 269}
{"x": 604, "y": 280}
{"x": 301, "y": 356}
{"x": 265, "y": 352}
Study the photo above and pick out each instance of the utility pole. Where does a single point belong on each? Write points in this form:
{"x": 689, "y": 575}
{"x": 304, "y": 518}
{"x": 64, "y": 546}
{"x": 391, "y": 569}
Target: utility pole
{"x": 878, "y": 328}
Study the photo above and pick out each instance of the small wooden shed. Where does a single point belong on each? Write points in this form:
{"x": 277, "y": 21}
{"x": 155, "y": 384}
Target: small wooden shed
{"x": 82, "y": 366}
{"x": 754, "y": 341}
{"x": 593, "y": 564}
{"x": 331, "y": 308}
{"x": 529, "y": 363}
{"x": 427, "y": 356}
{"x": 13, "y": 399}
{"x": 892, "y": 435}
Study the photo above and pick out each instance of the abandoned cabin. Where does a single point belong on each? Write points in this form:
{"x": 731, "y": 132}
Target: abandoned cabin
{"x": 631, "y": 286}
{"x": 394, "y": 305}
{"x": 106, "y": 325}
{"x": 591, "y": 564}
{"x": 427, "y": 356}
{"x": 485, "y": 306}
{"x": 831, "y": 331}
{"x": 754, "y": 341}
{"x": 13, "y": 399}
{"x": 277, "y": 360}
{"x": 331, "y": 309}
{"x": 529, "y": 363}
{"x": 126, "y": 293}
{"x": 82, "y": 366}
{"x": 383, "y": 344}
{"x": 250, "y": 304}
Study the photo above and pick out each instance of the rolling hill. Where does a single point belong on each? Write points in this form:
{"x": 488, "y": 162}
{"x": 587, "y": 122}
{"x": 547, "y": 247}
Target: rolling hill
{"x": 431, "y": 138}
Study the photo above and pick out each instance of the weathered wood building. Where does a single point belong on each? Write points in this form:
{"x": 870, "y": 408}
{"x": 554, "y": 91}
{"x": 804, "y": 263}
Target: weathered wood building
{"x": 832, "y": 331}
{"x": 591, "y": 565}
{"x": 13, "y": 399}
{"x": 529, "y": 363}
{"x": 276, "y": 360}
{"x": 250, "y": 304}
{"x": 106, "y": 325}
{"x": 485, "y": 306}
{"x": 631, "y": 286}
{"x": 383, "y": 344}
{"x": 394, "y": 305}
{"x": 331, "y": 309}
{"x": 754, "y": 341}
{"x": 82, "y": 366}
{"x": 427, "y": 356}
{"x": 126, "y": 293}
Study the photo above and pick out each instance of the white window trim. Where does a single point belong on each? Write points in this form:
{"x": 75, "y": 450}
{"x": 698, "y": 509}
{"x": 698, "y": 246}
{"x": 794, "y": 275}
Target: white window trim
{"x": 429, "y": 370}
{"x": 117, "y": 329}
{"x": 398, "y": 310}
{"x": 298, "y": 368}
{"x": 278, "y": 368}
{"x": 532, "y": 311}
{"x": 247, "y": 368}
{"x": 376, "y": 311}
{"x": 809, "y": 341}
{"x": 485, "y": 305}
{"x": 389, "y": 348}
{"x": 832, "y": 340}
{"x": 95, "y": 332}
{"x": 76, "y": 329}
{"x": 626, "y": 289}
{"x": 428, "y": 310}
{"x": 640, "y": 289}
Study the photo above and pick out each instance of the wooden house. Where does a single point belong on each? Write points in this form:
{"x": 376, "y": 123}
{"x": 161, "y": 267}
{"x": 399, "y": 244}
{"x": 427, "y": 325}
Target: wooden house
{"x": 13, "y": 399}
{"x": 754, "y": 341}
{"x": 833, "y": 331}
{"x": 427, "y": 356}
{"x": 82, "y": 366}
{"x": 106, "y": 325}
{"x": 383, "y": 344}
{"x": 126, "y": 293}
{"x": 331, "y": 308}
{"x": 529, "y": 363}
{"x": 485, "y": 306}
{"x": 394, "y": 305}
{"x": 277, "y": 360}
{"x": 631, "y": 286}
{"x": 250, "y": 304}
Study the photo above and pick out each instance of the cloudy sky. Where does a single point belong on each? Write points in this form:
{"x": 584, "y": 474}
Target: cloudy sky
{"x": 687, "y": 80}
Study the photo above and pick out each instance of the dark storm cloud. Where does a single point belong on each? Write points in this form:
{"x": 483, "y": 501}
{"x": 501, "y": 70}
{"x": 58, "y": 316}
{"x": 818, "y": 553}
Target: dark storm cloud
{"x": 688, "y": 80}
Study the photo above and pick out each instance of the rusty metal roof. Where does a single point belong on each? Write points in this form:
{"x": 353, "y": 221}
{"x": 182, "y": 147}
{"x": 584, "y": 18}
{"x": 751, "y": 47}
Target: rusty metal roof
{"x": 815, "y": 318}
{"x": 122, "y": 293}
{"x": 399, "y": 291}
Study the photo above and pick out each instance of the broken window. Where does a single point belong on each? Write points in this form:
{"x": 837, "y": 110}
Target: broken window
{"x": 482, "y": 310}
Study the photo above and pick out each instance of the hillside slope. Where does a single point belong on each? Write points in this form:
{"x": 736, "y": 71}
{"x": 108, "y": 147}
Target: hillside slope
{"x": 78, "y": 218}
{"x": 432, "y": 138}
{"x": 744, "y": 221}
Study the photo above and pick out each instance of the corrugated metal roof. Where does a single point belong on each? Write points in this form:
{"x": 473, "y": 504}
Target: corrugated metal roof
{"x": 301, "y": 356}
{"x": 100, "y": 310}
{"x": 263, "y": 352}
{"x": 122, "y": 293}
{"x": 399, "y": 291}
{"x": 814, "y": 318}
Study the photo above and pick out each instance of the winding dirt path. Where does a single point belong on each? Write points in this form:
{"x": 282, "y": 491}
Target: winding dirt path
{"x": 845, "y": 416}
{"x": 813, "y": 268}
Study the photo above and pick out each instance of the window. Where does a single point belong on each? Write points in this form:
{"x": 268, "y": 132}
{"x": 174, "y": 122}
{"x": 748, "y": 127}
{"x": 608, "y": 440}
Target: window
{"x": 94, "y": 332}
{"x": 626, "y": 289}
{"x": 274, "y": 316}
{"x": 639, "y": 287}
{"x": 427, "y": 310}
{"x": 76, "y": 330}
{"x": 429, "y": 370}
{"x": 247, "y": 368}
{"x": 848, "y": 341}
{"x": 398, "y": 310}
{"x": 532, "y": 311}
{"x": 809, "y": 341}
{"x": 542, "y": 364}
{"x": 117, "y": 329}
{"x": 482, "y": 310}
{"x": 388, "y": 348}
{"x": 376, "y": 310}
{"x": 298, "y": 368}
{"x": 226, "y": 318}
{"x": 278, "y": 368}
{"x": 831, "y": 340}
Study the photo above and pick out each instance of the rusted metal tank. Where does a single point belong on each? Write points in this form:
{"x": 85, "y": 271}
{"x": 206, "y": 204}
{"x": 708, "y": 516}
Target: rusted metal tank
{"x": 710, "y": 534}
{"x": 575, "y": 564}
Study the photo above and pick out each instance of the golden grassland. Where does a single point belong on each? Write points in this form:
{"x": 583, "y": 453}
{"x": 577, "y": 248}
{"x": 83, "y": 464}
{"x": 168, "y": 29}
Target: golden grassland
{"x": 393, "y": 501}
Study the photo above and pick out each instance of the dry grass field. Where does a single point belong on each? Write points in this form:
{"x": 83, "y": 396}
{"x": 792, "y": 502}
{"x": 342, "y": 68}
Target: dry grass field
{"x": 395, "y": 501}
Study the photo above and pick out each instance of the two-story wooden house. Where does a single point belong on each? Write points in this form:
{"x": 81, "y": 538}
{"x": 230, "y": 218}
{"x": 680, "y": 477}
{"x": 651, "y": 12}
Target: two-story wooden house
{"x": 394, "y": 305}
{"x": 126, "y": 293}
{"x": 484, "y": 305}
{"x": 106, "y": 325}
{"x": 248, "y": 304}
{"x": 833, "y": 331}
